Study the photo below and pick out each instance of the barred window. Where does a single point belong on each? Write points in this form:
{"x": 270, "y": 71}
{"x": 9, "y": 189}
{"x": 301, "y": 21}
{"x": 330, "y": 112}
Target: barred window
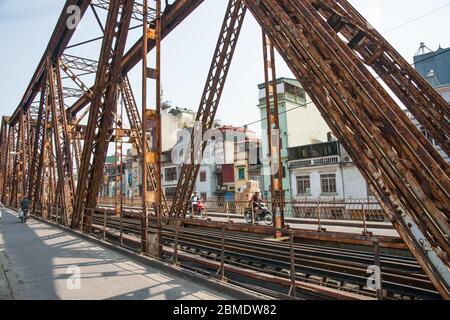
{"x": 171, "y": 174}
{"x": 203, "y": 176}
{"x": 328, "y": 183}
{"x": 170, "y": 192}
{"x": 303, "y": 185}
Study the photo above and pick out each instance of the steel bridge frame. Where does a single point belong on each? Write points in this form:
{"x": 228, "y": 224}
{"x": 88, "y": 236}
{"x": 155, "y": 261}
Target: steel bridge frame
{"x": 328, "y": 46}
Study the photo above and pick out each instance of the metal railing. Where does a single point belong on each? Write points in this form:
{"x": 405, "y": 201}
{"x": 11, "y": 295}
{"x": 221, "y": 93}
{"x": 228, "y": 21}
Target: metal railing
{"x": 308, "y": 208}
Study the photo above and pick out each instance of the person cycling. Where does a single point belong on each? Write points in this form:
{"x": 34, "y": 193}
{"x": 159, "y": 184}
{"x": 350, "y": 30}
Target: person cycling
{"x": 25, "y": 207}
{"x": 194, "y": 202}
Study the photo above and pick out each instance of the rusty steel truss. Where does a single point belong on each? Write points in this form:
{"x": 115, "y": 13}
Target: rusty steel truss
{"x": 54, "y": 152}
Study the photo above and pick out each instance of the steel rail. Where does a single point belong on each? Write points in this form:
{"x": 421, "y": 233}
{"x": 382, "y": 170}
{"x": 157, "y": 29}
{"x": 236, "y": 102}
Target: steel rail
{"x": 400, "y": 274}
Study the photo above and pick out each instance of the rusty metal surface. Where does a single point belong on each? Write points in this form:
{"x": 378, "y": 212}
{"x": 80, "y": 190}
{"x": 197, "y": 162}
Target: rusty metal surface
{"x": 171, "y": 18}
{"x": 273, "y": 134}
{"x": 212, "y": 93}
{"x": 337, "y": 237}
{"x": 365, "y": 121}
{"x": 66, "y": 185}
{"x": 327, "y": 45}
{"x": 102, "y": 108}
{"x": 55, "y": 48}
{"x": 428, "y": 107}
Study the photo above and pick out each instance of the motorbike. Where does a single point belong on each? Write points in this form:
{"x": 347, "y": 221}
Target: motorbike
{"x": 23, "y": 216}
{"x": 261, "y": 214}
{"x": 201, "y": 209}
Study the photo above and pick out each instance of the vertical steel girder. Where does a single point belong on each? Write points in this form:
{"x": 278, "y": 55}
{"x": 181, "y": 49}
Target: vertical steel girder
{"x": 410, "y": 184}
{"x": 102, "y": 109}
{"x": 7, "y": 180}
{"x": 212, "y": 93}
{"x": 151, "y": 124}
{"x": 41, "y": 142}
{"x": 135, "y": 121}
{"x": 24, "y": 152}
{"x": 50, "y": 185}
{"x": 4, "y": 146}
{"x": 17, "y": 156}
{"x": 273, "y": 131}
{"x": 427, "y": 106}
{"x": 66, "y": 187}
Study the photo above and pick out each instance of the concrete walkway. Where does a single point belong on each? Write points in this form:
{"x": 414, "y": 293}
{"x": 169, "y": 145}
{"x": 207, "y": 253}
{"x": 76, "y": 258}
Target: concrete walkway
{"x": 5, "y": 290}
{"x": 42, "y": 262}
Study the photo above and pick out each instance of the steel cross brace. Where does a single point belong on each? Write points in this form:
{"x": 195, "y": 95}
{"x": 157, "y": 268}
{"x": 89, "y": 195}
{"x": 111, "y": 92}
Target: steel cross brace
{"x": 102, "y": 109}
{"x": 330, "y": 77}
{"x": 42, "y": 136}
{"x": 62, "y": 140}
{"x": 4, "y": 156}
{"x": 170, "y": 19}
{"x": 212, "y": 93}
{"x": 428, "y": 107}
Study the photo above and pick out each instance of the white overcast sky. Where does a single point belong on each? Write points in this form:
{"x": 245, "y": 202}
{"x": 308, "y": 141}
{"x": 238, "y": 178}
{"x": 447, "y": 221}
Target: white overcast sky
{"x": 25, "y": 28}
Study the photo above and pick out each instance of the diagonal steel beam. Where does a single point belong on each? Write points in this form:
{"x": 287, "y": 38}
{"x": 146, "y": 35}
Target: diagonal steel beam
{"x": 212, "y": 93}
{"x": 102, "y": 109}
{"x": 172, "y": 17}
{"x": 357, "y": 115}
{"x": 428, "y": 107}
{"x": 40, "y": 141}
{"x": 55, "y": 48}
{"x": 66, "y": 186}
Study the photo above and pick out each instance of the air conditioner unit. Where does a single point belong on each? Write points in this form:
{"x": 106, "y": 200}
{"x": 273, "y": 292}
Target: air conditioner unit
{"x": 347, "y": 159}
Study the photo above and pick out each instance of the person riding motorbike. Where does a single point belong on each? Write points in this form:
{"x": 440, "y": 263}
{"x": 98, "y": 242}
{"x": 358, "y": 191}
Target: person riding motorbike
{"x": 257, "y": 211}
{"x": 195, "y": 202}
{"x": 255, "y": 201}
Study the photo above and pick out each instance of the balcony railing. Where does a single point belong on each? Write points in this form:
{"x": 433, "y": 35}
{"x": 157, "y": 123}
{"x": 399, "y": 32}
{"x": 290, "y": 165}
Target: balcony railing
{"x": 314, "y": 162}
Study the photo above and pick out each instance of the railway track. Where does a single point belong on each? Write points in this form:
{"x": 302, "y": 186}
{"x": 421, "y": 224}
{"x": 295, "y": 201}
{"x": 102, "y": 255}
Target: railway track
{"x": 334, "y": 268}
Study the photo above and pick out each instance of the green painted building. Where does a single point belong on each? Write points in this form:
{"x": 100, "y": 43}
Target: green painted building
{"x": 300, "y": 124}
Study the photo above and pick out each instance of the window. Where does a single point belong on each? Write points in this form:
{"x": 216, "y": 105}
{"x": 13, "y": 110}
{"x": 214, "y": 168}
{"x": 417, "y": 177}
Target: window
{"x": 294, "y": 90}
{"x": 170, "y": 192}
{"x": 204, "y": 196}
{"x": 241, "y": 174}
{"x": 203, "y": 176}
{"x": 171, "y": 174}
{"x": 303, "y": 185}
{"x": 314, "y": 151}
{"x": 328, "y": 183}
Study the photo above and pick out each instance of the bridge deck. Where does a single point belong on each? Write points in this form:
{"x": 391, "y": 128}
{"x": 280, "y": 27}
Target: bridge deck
{"x": 37, "y": 261}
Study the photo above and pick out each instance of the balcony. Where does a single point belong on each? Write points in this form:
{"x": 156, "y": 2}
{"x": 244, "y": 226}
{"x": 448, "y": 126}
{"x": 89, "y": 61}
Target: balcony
{"x": 322, "y": 161}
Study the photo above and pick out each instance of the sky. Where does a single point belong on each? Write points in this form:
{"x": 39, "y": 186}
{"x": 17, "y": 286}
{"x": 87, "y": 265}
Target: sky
{"x": 26, "y": 26}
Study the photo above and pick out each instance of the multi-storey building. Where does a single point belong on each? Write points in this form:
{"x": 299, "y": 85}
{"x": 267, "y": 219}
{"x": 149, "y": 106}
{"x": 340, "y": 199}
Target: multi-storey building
{"x": 434, "y": 67}
{"x": 241, "y": 153}
{"x": 300, "y": 123}
{"x": 325, "y": 170}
